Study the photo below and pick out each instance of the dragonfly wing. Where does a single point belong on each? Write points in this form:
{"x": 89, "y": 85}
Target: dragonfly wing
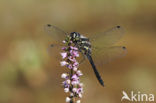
{"x": 56, "y": 33}
{"x": 107, "y": 54}
{"x": 54, "y": 50}
{"x": 108, "y": 38}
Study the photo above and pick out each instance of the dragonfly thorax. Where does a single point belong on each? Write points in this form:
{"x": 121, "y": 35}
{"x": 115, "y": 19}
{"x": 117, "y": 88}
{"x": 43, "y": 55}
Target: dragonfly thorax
{"x": 81, "y": 41}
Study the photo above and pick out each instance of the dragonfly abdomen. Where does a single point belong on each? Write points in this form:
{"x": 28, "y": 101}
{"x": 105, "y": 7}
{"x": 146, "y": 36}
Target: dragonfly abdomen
{"x": 95, "y": 70}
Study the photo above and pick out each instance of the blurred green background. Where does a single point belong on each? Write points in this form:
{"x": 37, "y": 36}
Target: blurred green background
{"x": 29, "y": 75}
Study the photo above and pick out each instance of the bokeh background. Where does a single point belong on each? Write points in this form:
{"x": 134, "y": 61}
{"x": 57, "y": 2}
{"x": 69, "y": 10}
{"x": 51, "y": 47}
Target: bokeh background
{"x": 29, "y": 75}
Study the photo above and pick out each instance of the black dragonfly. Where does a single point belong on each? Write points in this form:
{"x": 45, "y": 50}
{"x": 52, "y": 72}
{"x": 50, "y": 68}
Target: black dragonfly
{"x": 99, "y": 48}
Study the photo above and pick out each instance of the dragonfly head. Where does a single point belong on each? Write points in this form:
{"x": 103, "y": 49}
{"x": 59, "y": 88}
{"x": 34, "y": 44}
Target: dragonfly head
{"x": 75, "y": 36}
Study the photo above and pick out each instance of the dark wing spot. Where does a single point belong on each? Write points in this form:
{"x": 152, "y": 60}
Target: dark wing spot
{"x": 124, "y": 47}
{"x": 48, "y": 25}
{"x": 51, "y": 45}
{"x": 118, "y": 26}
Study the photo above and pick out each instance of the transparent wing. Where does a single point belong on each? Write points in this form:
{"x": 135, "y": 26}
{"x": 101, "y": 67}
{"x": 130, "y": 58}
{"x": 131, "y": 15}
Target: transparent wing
{"x": 107, "y": 54}
{"x": 56, "y": 33}
{"x": 108, "y": 38}
{"x": 54, "y": 51}
{"x": 54, "y": 41}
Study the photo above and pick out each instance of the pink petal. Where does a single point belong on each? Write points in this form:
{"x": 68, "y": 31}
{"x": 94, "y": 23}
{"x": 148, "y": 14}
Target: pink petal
{"x": 79, "y": 73}
{"x": 64, "y": 55}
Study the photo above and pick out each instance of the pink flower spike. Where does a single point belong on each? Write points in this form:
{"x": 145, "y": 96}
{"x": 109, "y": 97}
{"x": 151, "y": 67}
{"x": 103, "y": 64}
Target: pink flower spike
{"x": 63, "y": 63}
{"x": 64, "y": 55}
{"x": 71, "y": 84}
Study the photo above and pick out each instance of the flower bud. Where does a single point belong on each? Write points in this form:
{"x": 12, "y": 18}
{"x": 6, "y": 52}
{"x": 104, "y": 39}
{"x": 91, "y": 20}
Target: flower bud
{"x": 68, "y": 99}
{"x": 64, "y": 75}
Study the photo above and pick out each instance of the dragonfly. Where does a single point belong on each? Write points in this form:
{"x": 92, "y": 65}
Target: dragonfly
{"x": 98, "y": 48}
